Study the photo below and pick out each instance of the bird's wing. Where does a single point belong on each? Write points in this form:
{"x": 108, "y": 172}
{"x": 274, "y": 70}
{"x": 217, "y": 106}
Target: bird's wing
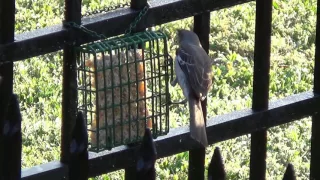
{"x": 196, "y": 65}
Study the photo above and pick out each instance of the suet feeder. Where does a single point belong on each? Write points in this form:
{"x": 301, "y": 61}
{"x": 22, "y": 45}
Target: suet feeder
{"x": 123, "y": 87}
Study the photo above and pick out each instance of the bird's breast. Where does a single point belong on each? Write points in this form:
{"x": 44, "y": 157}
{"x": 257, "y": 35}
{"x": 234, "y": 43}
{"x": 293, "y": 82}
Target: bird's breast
{"x": 181, "y": 77}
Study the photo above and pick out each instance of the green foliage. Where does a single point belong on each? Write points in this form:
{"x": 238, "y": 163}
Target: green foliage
{"x": 38, "y": 82}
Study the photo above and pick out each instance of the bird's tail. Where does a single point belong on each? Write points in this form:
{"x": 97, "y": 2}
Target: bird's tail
{"x": 197, "y": 124}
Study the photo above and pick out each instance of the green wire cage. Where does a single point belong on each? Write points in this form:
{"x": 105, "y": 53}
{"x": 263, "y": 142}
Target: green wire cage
{"x": 123, "y": 87}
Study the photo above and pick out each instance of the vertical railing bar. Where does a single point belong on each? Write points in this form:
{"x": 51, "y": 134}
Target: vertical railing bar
{"x": 146, "y": 158}
{"x": 315, "y": 148}
{"x": 12, "y": 141}
{"x": 7, "y": 28}
{"x": 317, "y": 53}
{"x": 79, "y": 164}
{"x": 138, "y": 4}
{"x": 197, "y": 156}
{"x": 216, "y": 168}
{"x": 289, "y": 173}
{"x": 69, "y": 89}
{"x": 261, "y": 77}
{"x": 130, "y": 171}
{"x": 315, "y": 135}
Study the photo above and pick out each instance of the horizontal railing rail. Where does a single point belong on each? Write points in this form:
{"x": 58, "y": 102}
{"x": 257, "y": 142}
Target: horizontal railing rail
{"x": 220, "y": 128}
{"x": 52, "y": 38}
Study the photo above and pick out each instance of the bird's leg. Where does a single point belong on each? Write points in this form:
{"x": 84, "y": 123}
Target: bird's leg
{"x": 174, "y": 82}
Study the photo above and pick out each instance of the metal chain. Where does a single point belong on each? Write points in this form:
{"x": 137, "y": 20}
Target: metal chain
{"x": 137, "y": 19}
{"x": 101, "y": 36}
{"x": 106, "y": 9}
{"x": 84, "y": 29}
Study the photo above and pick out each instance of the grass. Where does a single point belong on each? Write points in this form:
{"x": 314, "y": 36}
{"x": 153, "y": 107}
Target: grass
{"x": 37, "y": 81}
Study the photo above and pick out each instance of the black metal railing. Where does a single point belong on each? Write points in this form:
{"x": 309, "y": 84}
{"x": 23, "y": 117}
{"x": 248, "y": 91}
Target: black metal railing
{"x": 77, "y": 163}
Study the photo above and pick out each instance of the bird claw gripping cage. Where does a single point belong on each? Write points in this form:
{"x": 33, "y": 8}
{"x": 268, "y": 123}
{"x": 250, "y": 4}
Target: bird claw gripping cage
{"x": 123, "y": 88}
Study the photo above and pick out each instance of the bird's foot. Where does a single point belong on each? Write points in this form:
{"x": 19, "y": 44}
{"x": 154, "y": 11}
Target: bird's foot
{"x": 174, "y": 82}
{"x": 180, "y": 102}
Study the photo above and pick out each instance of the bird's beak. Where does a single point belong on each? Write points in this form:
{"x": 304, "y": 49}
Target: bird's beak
{"x": 178, "y": 36}
{"x": 176, "y": 40}
{"x": 179, "y": 32}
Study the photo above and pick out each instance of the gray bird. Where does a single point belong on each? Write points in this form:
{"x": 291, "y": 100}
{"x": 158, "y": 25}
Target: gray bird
{"x": 193, "y": 68}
